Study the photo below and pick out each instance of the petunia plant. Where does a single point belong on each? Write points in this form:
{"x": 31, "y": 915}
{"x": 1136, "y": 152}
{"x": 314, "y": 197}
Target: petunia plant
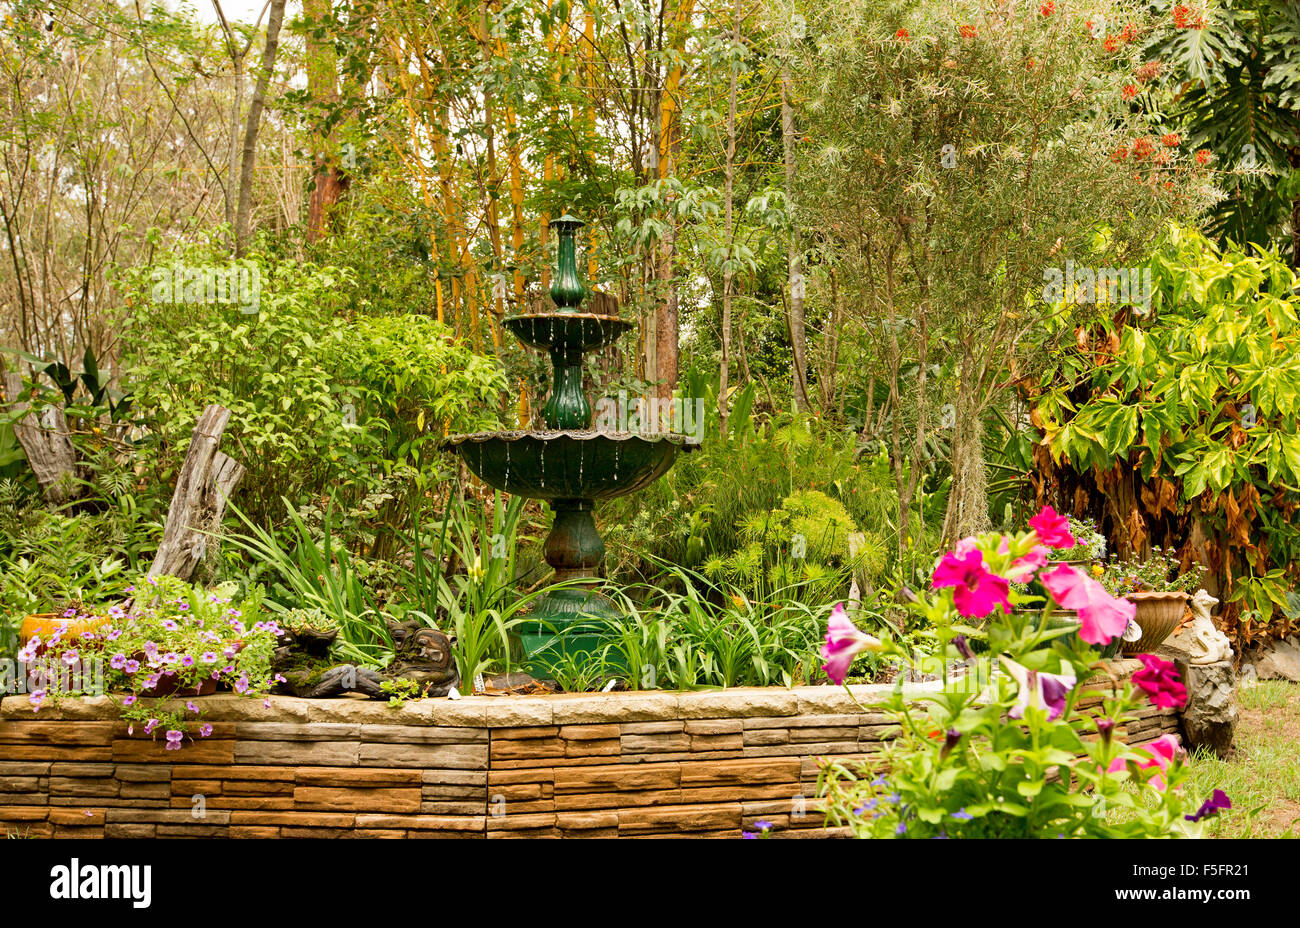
{"x": 155, "y": 653}
{"x": 1025, "y": 739}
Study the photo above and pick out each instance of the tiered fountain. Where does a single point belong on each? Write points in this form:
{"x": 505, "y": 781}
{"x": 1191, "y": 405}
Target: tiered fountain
{"x": 569, "y": 464}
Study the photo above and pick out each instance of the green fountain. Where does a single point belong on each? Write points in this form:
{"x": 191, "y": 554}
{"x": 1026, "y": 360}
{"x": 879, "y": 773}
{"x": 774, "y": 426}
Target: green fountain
{"x": 570, "y": 465}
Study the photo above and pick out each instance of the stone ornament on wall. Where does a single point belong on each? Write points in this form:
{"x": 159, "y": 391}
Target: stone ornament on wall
{"x": 1205, "y": 643}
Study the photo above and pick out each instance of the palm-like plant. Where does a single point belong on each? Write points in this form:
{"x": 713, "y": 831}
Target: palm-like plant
{"x": 1235, "y": 73}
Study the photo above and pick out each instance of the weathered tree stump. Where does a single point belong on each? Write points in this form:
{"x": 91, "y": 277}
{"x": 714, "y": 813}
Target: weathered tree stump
{"x": 46, "y": 441}
{"x": 205, "y": 482}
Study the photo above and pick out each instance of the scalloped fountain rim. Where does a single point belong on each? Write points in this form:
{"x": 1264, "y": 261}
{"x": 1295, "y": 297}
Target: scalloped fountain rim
{"x": 686, "y": 442}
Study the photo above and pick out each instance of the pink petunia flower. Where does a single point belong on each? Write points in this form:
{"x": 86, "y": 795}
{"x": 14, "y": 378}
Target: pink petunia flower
{"x": 1159, "y": 679}
{"x": 205, "y": 730}
{"x": 174, "y": 740}
{"x": 1024, "y": 567}
{"x": 843, "y": 643}
{"x": 1164, "y": 751}
{"x": 1052, "y": 530}
{"x": 1103, "y": 618}
{"x": 977, "y": 591}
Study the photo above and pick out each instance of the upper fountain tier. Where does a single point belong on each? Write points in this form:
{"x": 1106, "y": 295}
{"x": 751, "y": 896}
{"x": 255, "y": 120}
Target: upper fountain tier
{"x": 566, "y": 332}
{"x": 567, "y": 459}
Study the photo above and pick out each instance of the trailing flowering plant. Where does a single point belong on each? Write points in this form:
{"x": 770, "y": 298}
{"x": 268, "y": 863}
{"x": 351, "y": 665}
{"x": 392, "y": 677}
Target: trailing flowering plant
{"x": 1160, "y": 571}
{"x": 1016, "y": 746}
{"x": 172, "y": 639}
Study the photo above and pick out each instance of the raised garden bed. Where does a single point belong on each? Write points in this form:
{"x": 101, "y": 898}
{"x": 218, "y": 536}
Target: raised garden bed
{"x": 637, "y": 764}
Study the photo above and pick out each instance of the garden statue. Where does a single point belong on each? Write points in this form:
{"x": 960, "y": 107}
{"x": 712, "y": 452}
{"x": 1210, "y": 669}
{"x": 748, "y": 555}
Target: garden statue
{"x": 422, "y": 657}
{"x": 1205, "y": 643}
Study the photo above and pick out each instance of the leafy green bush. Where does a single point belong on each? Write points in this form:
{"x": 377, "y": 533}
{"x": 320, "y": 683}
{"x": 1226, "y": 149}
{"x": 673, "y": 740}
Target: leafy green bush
{"x": 1184, "y": 423}
{"x": 316, "y": 402}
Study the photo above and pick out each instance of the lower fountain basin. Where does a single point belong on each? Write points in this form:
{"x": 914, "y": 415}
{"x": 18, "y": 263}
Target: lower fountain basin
{"x": 572, "y": 464}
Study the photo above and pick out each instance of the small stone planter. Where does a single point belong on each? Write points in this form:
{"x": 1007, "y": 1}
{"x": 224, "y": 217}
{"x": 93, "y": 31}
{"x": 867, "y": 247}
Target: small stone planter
{"x": 1158, "y": 614}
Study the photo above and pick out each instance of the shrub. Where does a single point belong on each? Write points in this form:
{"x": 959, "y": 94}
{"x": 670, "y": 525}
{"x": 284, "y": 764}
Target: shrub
{"x": 1181, "y": 426}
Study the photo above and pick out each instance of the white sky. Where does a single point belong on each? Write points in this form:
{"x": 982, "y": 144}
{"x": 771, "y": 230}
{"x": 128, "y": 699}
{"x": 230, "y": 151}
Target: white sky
{"x": 244, "y": 11}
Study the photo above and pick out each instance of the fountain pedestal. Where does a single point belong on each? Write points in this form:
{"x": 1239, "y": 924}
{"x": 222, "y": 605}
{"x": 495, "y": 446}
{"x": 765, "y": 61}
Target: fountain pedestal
{"x": 572, "y": 467}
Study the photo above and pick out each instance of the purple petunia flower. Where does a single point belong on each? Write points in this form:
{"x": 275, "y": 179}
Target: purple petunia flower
{"x": 962, "y": 815}
{"x": 205, "y": 730}
{"x": 131, "y": 666}
{"x": 1218, "y": 802}
{"x": 174, "y": 740}
{"x": 129, "y": 700}
{"x": 117, "y": 661}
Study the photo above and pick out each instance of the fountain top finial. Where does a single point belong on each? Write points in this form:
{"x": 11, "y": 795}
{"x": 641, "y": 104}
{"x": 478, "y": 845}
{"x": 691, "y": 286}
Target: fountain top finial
{"x": 567, "y": 290}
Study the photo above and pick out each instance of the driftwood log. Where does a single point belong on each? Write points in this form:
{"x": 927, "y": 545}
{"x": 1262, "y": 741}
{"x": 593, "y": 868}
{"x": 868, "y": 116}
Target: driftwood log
{"x": 205, "y": 482}
{"x": 46, "y": 441}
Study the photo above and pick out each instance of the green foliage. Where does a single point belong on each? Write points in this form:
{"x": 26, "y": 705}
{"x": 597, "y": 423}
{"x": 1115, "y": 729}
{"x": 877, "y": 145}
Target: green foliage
{"x": 1201, "y": 402}
{"x": 50, "y": 560}
{"x": 315, "y": 401}
{"x": 415, "y": 380}
{"x": 304, "y": 572}
{"x": 276, "y": 370}
{"x": 1235, "y": 84}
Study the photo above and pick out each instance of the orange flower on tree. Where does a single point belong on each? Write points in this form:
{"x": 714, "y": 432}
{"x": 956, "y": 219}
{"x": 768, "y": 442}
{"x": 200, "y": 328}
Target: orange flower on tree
{"x": 903, "y": 35}
{"x": 1203, "y": 156}
{"x": 967, "y": 31}
{"x": 1185, "y": 17}
{"x": 1048, "y": 8}
{"x": 1130, "y": 91}
{"x": 1171, "y": 140}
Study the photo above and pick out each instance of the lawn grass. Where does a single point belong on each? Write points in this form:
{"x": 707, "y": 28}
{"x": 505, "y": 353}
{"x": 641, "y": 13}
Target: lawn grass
{"x": 1263, "y": 777}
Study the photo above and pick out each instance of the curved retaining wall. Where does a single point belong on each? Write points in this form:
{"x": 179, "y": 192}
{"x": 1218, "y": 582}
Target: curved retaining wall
{"x": 643, "y": 764}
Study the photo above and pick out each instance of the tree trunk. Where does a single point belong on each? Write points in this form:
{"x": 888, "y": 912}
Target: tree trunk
{"x": 798, "y": 336}
{"x": 968, "y": 503}
{"x": 1295, "y": 213}
{"x": 728, "y": 273}
{"x": 322, "y": 88}
{"x": 205, "y": 482}
{"x": 251, "y": 126}
{"x": 46, "y": 441}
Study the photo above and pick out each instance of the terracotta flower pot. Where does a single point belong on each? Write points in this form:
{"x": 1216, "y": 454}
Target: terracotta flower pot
{"x": 46, "y": 624}
{"x": 1158, "y": 614}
